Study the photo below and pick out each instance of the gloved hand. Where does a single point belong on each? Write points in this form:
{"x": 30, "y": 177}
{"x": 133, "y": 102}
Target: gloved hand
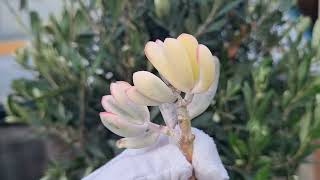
{"x": 164, "y": 161}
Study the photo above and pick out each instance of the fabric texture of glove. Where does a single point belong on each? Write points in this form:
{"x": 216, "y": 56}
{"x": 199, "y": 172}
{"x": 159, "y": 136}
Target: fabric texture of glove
{"x": 164, "y": 161}
{"x": 205, "y": 159}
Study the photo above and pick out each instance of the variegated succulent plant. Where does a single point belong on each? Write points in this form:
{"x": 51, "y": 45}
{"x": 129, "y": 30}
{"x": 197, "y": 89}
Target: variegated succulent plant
{"x": 188, "y": 81}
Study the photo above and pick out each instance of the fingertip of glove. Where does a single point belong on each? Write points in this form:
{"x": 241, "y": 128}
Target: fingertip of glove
{"x": 206, "y": 160}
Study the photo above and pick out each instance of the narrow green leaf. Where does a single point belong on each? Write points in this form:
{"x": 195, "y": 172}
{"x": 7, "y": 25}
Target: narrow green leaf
{"x": 216, "y": 25}
{"x": 228, "y": 7}
{"x": 247, "y": 92}
{"x": 263, "y": 173}
{"x": 316, "y": 35}
{"x": 35, "y": 22}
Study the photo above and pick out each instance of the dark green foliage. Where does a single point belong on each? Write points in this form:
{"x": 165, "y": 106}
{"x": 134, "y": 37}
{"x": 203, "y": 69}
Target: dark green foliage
{"x": 265, "y": 115}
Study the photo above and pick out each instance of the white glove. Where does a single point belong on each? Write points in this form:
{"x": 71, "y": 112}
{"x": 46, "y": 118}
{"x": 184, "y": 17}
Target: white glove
{"x": 164, "y": 161}
{"x": 206, "y": 161}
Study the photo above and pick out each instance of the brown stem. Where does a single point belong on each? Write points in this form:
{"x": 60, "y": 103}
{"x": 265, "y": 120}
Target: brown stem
{"x": 187, "y": 138}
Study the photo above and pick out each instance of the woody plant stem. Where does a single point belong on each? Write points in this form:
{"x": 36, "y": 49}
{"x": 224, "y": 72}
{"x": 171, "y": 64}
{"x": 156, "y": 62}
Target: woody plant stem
{"x": 186, "y": 137}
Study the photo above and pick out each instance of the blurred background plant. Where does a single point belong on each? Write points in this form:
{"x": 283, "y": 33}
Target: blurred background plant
{"x": 265, "y": 117}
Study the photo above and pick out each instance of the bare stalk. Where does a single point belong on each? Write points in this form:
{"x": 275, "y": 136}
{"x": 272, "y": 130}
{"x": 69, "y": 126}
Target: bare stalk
{"x": 186, "y": 138}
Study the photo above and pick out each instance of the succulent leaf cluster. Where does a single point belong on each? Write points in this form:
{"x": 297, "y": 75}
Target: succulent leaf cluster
{"x": 185, "y": 67}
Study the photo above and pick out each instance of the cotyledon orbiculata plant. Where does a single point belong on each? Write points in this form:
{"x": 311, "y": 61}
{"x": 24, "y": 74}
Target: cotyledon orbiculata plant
{"x": 188, "y": 81}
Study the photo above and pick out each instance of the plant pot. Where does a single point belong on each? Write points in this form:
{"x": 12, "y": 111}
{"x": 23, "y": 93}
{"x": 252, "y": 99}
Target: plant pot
{"x": 22, "y": 154}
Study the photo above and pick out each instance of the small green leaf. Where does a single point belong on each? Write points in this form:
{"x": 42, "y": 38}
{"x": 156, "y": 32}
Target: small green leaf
{"x": 304, "y": 126}
{"x": 228, "y": 7}
{"x": 263, "y": 173}
{"x": 303, "y": 71}
{"x": 247, "y": 92}
{"x": 217, "y": 25}
{"x": 316, "y": 35}
{"x": 162, "y": 7}
{"x": 238, "y": 146}
{"x": 264, "y": 104}
{"x": 35, "y": 22}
